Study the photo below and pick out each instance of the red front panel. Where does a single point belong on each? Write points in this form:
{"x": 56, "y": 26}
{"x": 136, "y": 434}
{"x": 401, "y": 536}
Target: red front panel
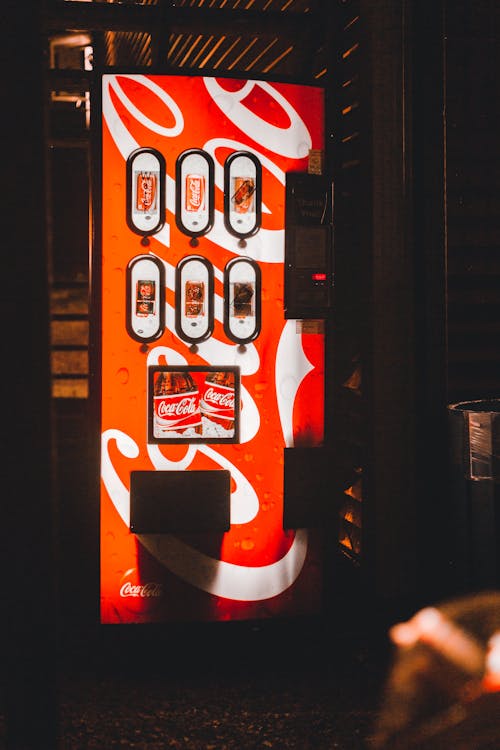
{"x": 255, "y": 569}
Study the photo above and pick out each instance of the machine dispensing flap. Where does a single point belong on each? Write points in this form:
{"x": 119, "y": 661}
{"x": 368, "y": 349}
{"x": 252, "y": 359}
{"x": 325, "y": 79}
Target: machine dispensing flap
{"x": 169, "y": 502}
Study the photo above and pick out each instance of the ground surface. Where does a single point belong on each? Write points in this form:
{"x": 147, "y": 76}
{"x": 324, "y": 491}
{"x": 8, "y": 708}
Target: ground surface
{"x": 271, "y": 698}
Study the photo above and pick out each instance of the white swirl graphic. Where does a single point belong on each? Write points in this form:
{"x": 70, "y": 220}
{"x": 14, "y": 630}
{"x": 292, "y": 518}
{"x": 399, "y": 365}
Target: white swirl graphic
{"x": 267, "y": 245}
{"x": 213, "y": 144}
{"x": 244, "y": 500}
{"x": 115, "y": 488}
{"x": 294, "y": 141}
{"x": 162, "y": 463}
{"x": 292, "y": 366}
{"x": 239, "y": 583}
{"x": 126, "y": 143}
{"x": 216, "y": 577}
{"x": 178, "y": 126}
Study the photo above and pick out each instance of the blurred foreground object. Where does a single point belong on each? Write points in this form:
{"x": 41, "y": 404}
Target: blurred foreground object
{"x": 443, "y": 689}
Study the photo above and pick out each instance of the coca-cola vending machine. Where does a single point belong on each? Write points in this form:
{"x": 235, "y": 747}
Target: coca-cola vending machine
{"x": 210, "y": 385}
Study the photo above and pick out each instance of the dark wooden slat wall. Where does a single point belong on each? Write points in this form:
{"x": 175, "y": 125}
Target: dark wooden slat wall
{"x": 29, "y": 612}
{"x": 473, "y": 203}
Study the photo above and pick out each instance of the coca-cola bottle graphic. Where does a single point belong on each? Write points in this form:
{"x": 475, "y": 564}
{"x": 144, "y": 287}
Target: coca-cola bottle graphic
{"x": 217, "y": 402}
{"x": 176, "y": 405}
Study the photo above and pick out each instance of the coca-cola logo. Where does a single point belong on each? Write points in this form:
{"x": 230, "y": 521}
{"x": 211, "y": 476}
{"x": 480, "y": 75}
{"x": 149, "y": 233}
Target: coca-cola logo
{"x": 194, "y": 185}
{"x": 181, "y": 408}
{"x": 147, "y": 185}
{"x": 143, "y": 591}
{"x": 221, "y": 398}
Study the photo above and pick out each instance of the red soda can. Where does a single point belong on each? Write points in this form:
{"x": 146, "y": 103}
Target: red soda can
{"x": 195, "y": 192}
{"x": 146, "y": 184}
{"x": 244, "y": 188}
{"x": 195, "y": 299}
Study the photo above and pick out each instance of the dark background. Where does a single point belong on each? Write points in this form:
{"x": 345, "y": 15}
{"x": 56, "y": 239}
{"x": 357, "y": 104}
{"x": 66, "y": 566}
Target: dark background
{"x": 416, "y": 311}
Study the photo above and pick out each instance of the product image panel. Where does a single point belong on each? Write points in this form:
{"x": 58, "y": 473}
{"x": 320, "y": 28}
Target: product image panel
{"x": 145, "y": 191}
{"x": 194, "y": 211}
{"x": 145, "y": 298}
{"x": 242, "y": 194}
{"x": 242, "y": 300}
{"x": 193, "y": 404}
{"x": 194, "y": 284}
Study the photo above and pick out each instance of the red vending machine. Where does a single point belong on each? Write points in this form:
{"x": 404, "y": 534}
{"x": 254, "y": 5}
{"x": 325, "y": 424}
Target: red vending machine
{"x": 207, "y": 383}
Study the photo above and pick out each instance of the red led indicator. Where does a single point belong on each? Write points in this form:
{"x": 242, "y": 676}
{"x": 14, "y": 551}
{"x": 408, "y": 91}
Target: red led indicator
{"x": 318, "y": 276}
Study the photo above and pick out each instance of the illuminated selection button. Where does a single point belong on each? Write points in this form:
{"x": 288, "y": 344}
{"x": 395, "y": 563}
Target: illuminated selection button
{"x": 194, "y": 307}
{"x": 242, "y": 300}
{"x": 242, "y": 194}
{"x": 194, "y": 212}
{"x": 145, "y": 298}
{"x": 145, "y": 191}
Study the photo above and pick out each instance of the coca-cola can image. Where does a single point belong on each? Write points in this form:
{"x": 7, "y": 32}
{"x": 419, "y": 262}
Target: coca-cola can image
{"x": 194, "y": 299}
{"x": 146, "y": 184}
{"x": 242, "y": 199}
{"x": 146, "y": 289}
{"x": 243, "y": 295}
{"x": 195, "y": 193}
{"x": 145, "y": 297}
{"x": 217, "y": 404}
{"x": 144, "y": 308}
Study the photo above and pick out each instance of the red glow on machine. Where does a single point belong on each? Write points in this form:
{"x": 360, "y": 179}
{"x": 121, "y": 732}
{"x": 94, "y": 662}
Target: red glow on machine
{"x": 204, "y": 382}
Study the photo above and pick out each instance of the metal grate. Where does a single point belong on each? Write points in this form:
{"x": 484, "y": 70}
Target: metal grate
{"x": 348, "y": 345}
{"x": 127, "y": 48}
{"x": 230, "y": 53}
{"x": 473, "y": 204}
{"x": 289, "y": 6}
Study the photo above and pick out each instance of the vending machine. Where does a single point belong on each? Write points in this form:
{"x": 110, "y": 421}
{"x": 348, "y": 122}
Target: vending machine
{"x": 211, "y": 349}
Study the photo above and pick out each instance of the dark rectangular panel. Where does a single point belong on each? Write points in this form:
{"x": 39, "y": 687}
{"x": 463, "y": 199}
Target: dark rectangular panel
{"x": 165, "y": 502}
{"x": 308, "y": 246}
{"x": 308, "y": 491}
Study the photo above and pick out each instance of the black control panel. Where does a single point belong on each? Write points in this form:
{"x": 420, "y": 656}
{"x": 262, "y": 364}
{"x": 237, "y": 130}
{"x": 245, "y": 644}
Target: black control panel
{"x": 308, "y": 246}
